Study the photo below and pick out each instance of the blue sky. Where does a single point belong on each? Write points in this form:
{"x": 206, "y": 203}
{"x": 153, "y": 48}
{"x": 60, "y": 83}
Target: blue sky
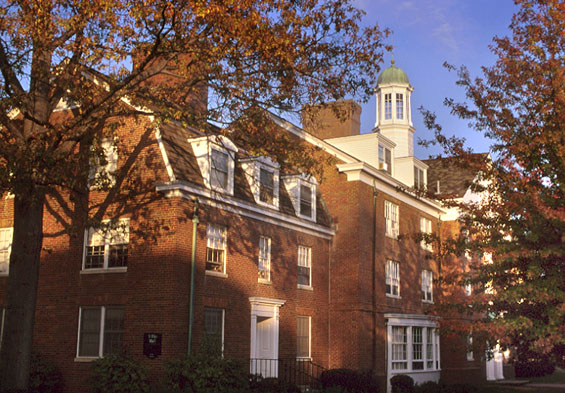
{"x": 427, "y": 33}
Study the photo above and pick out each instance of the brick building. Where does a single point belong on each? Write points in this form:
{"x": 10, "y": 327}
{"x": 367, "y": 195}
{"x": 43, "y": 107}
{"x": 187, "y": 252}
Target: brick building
{"x": 333, "y": 271}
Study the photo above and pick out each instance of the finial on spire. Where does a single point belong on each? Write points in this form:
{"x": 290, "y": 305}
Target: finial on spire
{"x": 392, "y": 62}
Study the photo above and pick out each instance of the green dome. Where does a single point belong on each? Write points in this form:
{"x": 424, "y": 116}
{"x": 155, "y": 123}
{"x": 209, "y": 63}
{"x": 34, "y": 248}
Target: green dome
{"x": 393, "y": 75}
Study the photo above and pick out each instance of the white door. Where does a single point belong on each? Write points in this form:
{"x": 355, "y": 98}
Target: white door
{"x": 266, "y": 353}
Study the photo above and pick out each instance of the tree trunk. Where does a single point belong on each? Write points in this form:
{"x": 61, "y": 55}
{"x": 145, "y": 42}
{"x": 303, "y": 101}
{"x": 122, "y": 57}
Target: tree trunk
{"x": 15, "y": 354}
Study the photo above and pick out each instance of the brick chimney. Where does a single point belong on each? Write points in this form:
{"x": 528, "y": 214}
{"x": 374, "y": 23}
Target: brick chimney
{"x": 172, "y": 74}
{"x": 333, "y": 119}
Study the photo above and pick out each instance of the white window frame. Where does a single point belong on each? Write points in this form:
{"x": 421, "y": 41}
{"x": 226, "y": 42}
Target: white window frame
{"x": 101, "y": 333}
{"x": 388, "y": 106}
{"x": 264, "y": 262}
{"x": 429, "y": 329}
{"x": 6, "y": 247}
{"x": 216, "y": 238}
{"x": 222, "y": 320}
{"x": 399, "y": 347}
{"x": 385, "y": 159}
{"x": 202, "y": 148}
{"x": 427, "y": 286}
{"x": 469, "y": 341}
{"x": 110, "y": 149}
{"x": 399, "y": 105}
{"x": 294, "y": 185}
{"x": 311, "y": 199}
{"x": 110, "y": 234}
{"x": 419, "y": 178}
{"x": 426, "y": 229}
{"x": 305, "y": 261}
{"x": 214, "y": 182}
{"x": 392, "y": 220}
{"x": 392, "y": 280}
{"x": 309, "y": 319}
{"x": 252, "y": 168}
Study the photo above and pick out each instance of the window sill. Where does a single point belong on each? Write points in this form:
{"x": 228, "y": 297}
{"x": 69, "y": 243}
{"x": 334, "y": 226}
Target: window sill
{"x": 263, "y": 281}
{"x": 216, "y": 274}
{"x": 304, "y": 358}
{"x": 428, "y": 301}
{"x": 104, "y": 271}
{"x": 406, "y": 371}
{"x": 393, "y": 296}
{"x": 391, "y": 236}
{"x": 306, "y": 287}
{"x": 86, "y": 359}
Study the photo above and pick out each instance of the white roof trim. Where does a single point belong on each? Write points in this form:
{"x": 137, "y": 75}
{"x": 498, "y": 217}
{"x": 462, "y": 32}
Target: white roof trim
{"x": 164, "y": 155}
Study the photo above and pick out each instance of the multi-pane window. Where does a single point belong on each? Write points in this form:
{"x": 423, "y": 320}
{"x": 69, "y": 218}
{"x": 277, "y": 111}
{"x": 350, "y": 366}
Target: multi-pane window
{"x": 392, "y": 272}
{"x": 6, "y": 235}
{"x": 467, "y": 288}
{"x": 399, "y": 348}
{"x": 385, "y": 159}
{"x": 303, "y": 337}
{"x": 219, "y": 170}
{"x": 266, "y": 186}
{"x": 305, "y": 200}
{"x": 419, "y": 180}
{"x": 417, "y": 348}
{"x": 214, "y": 327}
{"x": 107, "y": 246}
{"x": 216, "y": 248}
{"x": 427, "y": 286}
{"x": 101, "y": 331}
{"x": 391, "y": 219}
{"x": 426, "y": 229}
{"x": 304, "y": 266}
{"x": 388, "y": 106}
{"x": 414, "y": 348}
{"x": 265, "y": 258}
{"x": 399, "y": 106}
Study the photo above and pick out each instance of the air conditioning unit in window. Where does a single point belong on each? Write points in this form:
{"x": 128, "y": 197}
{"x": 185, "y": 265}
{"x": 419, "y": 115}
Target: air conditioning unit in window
{"x": 383, "y": 166}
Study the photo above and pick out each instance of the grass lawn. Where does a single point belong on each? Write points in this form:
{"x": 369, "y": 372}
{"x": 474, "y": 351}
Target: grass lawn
{"x": 558, "y": 376}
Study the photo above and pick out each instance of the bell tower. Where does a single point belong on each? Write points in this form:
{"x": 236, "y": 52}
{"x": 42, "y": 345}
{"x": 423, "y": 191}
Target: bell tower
{"x": 394, "y": 117}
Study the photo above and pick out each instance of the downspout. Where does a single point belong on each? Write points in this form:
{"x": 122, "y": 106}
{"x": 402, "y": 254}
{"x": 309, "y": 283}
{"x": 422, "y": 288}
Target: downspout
{"x": 195, "y": 222}
{"x": 374, "y": 310}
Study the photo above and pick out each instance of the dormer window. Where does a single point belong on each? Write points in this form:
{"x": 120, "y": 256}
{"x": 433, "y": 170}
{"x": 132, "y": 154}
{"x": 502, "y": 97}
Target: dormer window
{"x": 419, "y": 178}
{"x": 263, "y": 176}
{"x": 215, "y": 157}
{"x": 399, "y": 106}
{"x": 305, "y": 201}
{"x": 266, "y": 186}
{"x": 388, "y": 106}
{"x": 302, "y": 191}
{"x": 385, "y": 159}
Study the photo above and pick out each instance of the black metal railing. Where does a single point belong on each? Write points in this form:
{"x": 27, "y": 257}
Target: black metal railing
{"x": 301, "y": 372}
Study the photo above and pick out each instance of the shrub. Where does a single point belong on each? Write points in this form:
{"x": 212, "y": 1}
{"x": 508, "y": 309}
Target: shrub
{"x": 402, "y": 384}
{"x": 459, "y": 388}
{"x": 346, "y": 380}
{"x": 534, "y": 367}
{"x": 274, "y": 385}
{"x": 118, "y": 374}
{"x": 44, "y": 377}
{"x": 202, "y": 373}
{"x": 428, "y": 387}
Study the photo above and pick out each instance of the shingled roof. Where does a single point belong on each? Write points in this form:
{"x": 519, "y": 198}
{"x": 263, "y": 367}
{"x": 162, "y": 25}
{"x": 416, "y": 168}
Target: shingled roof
{"x": 454, "y": 178}
{"x": 185, "y": 168}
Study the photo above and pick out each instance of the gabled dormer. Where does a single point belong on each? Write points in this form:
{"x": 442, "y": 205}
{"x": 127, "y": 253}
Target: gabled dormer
{"x": 302, "y": 191}
{"x": 262, "y": 173}
{"x": 216, "y": 159}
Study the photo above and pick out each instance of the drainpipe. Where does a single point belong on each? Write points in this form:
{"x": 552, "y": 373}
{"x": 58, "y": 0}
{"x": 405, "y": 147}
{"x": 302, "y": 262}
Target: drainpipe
{"x": 374, "y": 310}
{"x": 195, "y": 222}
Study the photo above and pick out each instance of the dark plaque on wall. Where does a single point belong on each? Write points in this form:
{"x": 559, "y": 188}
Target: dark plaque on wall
{"x": 152, "y": 345}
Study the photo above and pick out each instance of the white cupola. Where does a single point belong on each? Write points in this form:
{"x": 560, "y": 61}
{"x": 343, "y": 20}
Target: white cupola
{"x": 394, "y": 117}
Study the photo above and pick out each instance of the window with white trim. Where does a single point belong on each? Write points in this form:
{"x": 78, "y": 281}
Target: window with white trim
{"x": 303, "y": 334}
{"x": 302, "y": 191}
{"x": 413, "y": 348}
{"x": 305, "y": 200}
{"x": 388, "y": 106}
{"x": 470, "y": 355}
{"x": 426, "y": 229}
{"x": 6, "y": 235}
{"x": 103, "y": 166}
{"x": 467, "y": 288}
{"x": 419, "y": 179}
{"x": 385, "y": 159}
{"x": 101, "y": 331}
{"x": 427, "y": 286}
{"x": 219, "y": 169}
{"x": 399, "y": 106}
{"x": 106, "y": 247}
{"x": 216, "y": 248}
{"x": 304, "y": 266}
{"x": 264, "y": 258}
{"x": 391, "y": 220}
{"x": 214, "y": 327}
{"x": 392, "y": 272}
{"x": 266, "y": 185}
